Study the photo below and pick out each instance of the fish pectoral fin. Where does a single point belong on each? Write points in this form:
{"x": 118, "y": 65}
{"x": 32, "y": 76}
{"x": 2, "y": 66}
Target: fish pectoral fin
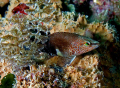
{"x": 64, "y": 61}
{"x": 69, "y": 60}
{"x": 58, "y": 52}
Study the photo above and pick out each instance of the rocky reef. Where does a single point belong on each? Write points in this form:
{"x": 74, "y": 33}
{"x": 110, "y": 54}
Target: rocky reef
{"x": 24, "y": 32}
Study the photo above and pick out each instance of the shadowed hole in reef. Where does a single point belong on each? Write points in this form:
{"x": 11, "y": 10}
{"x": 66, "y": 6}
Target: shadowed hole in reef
{"x": 33, "y": 30}
{"x": 4, "y": 9}
{"x": 49, "y": 49}
{"x": 26, "y": 68}
{"x": 57, "y": 69}
{"x": 117, "y": 26}
{"x": 32, "y": 38}
{"x": 83, "y": 8}
{"x": 42, "y": 6}
{"x": 65, "y": 8}
{"x": 44, "y": 33}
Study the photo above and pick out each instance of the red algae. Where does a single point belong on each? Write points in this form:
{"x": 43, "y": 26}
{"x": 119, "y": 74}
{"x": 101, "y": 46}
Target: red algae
{"x": 20, "y": 8}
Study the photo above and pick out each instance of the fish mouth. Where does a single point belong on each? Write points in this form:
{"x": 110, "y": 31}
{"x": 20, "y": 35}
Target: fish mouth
{"x": 95, "y": 43}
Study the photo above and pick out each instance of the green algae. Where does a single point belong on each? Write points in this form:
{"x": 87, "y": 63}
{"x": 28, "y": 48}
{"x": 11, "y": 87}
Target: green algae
{"x": 8, "y": 81}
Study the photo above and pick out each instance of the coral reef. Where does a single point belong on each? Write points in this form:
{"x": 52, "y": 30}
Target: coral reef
{"x": 79, "y": 2}
{"x": 68, "y": 25}
{"x": 3, "y": 2}
{"x": 97, "y": 10}
{"x": 100, "y": 9}
{"x": 39, "y": 77}
{"x": 84, "y": 74}
{"x": 105, "y": 10}
{"x": 23, "y": 36}
{"x": 5, "y": 68}
{"x": 23, "y": 33}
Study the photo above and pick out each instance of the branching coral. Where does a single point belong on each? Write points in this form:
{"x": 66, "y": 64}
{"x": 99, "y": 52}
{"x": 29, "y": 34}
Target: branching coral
{"x": 22, "y": 35}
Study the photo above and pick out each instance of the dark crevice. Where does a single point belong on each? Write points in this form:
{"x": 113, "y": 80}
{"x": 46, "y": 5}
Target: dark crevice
{"x": 4, "y": 9}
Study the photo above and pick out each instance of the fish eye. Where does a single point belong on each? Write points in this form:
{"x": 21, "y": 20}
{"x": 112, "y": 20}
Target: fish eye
{"x": 87, "y": 43}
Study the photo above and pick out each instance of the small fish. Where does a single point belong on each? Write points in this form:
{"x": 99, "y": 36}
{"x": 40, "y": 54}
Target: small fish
{"x": 70, "y": 44}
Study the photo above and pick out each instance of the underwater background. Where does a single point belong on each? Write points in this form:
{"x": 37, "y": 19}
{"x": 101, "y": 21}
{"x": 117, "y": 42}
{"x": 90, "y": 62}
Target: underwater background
{"x": 27, "y": 62}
